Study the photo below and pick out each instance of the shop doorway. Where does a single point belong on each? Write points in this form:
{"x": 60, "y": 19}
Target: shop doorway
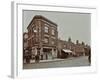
{"x": 47, "y": 53}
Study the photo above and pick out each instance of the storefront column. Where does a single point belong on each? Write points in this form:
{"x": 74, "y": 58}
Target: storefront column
{"x": 60, "y": 53}
{"x": 41, "y": 53}
{"x": 35, "y": 51}
{"x": 56, "y": 53}
{"x": 83, "y": 52}
{"x": 53, "y": 53}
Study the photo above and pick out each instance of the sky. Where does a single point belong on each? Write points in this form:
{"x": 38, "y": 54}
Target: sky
{"x": 74, "y": 25}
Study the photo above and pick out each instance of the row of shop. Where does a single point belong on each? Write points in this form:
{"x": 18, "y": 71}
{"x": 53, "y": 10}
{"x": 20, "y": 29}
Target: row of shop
{"x": 43, "y": 53}
{"x": 42, "y": 42}
{"x": 47, "y": 53}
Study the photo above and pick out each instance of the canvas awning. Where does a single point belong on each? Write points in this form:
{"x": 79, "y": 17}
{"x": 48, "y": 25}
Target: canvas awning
{"x": 67, "y": 50}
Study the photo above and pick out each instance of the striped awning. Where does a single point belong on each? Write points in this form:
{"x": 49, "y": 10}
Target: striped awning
{"x": 67, "y": 50}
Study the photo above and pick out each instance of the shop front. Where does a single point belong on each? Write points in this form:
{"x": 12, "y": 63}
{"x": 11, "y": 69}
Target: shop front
{"x": 45, "y": 53}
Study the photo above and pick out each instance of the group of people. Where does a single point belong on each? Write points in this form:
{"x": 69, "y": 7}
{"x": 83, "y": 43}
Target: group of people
{"x": 37, "y": 58}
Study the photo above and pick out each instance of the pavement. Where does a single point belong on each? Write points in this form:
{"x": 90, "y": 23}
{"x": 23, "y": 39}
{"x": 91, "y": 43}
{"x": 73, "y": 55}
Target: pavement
{"x": 50, "y": 60}
{"x": 69, "y": 62}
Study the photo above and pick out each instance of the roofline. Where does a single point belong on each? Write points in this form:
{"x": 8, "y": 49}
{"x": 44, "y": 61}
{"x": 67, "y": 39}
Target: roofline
{"x": 41, "y": 17}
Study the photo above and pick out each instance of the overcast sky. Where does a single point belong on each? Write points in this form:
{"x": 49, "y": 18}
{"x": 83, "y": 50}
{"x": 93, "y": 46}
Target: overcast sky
{"x": 74, "y": 25}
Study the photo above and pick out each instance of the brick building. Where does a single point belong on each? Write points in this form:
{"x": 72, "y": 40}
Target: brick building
{"x": 79, "y": 48}
{"x": 42, "y": 37}
{"x": 73, "y": 49}
{"x": 25, "y": 40}
{"x": 66, "y": 48}
{"x": 70, "y": 45}
{"x": 42, "y": 40}
{"x": 25, "y": 48}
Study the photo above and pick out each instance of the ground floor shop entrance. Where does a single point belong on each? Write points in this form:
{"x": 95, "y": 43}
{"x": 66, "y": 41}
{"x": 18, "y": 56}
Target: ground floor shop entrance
{"x": 47, "y": 53}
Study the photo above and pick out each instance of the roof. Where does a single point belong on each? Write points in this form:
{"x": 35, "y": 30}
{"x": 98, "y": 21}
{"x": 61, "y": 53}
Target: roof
{"x": 41, "y": 17}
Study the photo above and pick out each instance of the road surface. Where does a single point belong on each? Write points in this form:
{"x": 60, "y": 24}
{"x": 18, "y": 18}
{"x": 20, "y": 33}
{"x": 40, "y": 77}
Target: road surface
{"x": 71, "y": 62}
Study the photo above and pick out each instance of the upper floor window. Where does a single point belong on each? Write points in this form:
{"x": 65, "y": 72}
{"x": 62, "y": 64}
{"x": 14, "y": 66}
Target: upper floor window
{"x": 64, "y": 45}
{"x": 46, "y": 29}
{"x": 53, "y": 42}
{"x": 53, "y": 32}
{"x": 46, "y": 40}
{"x": 34, "y": 30}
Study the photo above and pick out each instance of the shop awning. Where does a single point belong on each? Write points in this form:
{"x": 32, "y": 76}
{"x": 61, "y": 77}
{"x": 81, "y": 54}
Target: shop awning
{"x": 67, "y": 50}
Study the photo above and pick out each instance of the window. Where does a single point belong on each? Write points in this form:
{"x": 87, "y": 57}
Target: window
{"x": 31, "y": 31}
{"x": 34, "y": 30}
{"x": 33, "y": 25}
{"x": 46, "y": 40}
{"x": 53, "y": 42}
{"x": 53, "y": 32}
{"x": 53, "y": 37}
{"x": 64, "y": 45}
{"x": 46, "y": 29}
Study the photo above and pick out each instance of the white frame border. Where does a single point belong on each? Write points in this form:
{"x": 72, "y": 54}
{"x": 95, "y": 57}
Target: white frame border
{"x": 17, "y": 69}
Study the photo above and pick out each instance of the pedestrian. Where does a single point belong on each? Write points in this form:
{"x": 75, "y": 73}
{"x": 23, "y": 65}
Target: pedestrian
{"x": 46, "y": 56}
{"x": 37, "y": 58}
{"x": 89, "y": 57}
{"x": 42, "y": 57}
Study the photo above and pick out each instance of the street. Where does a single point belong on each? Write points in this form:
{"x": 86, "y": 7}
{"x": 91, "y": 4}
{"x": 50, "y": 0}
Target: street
{"x": 70, "y": 62}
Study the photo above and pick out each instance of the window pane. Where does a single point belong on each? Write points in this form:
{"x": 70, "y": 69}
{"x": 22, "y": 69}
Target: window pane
{"x": 53, "y": 32}
{"x": 53, "y": 42}
{"x": 46, "y": 29}
{"x": 46, "y": 40}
